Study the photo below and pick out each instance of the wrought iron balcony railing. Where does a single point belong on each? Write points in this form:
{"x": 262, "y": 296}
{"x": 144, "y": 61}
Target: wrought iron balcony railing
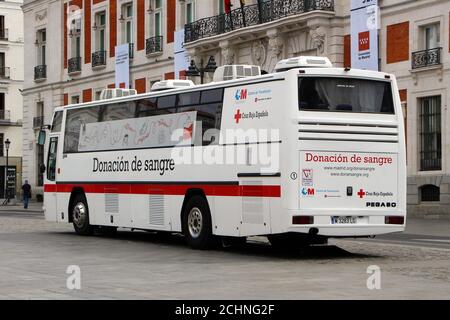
{"x": 40, "y": 72}
{"x": 3, "y": 34}
{"x": 264, "y": 11}
{"x": 4, "y": 73}
{"x": 38, "y": 122}
{"x": 99, "y": 59}
{"x": 154, "y": 45}
{"x": 426, "y": 58}
{"x": 74, "y": 65}
{"x": 5, "y": 115}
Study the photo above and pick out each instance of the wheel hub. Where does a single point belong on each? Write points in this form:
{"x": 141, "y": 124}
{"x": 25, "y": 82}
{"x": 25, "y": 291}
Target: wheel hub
{"x": 79, "y": 214}
{"x": 195, "y": 222}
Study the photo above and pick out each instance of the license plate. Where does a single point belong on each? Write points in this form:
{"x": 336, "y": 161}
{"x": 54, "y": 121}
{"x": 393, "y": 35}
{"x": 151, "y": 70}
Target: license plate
{"x": 344, "y": 220}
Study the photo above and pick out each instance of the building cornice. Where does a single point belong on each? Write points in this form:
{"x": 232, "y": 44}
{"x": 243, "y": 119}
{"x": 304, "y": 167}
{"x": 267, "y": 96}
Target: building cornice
{"x": 36, "y": 4}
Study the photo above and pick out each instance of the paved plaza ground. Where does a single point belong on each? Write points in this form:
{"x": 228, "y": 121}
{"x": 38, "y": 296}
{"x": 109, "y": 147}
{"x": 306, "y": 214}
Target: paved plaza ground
{"x": 35, "y": 255}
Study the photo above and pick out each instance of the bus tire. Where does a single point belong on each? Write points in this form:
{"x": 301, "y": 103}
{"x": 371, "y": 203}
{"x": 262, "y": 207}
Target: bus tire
{"x": 80, "y": 216}
{"x": 288, "y": 241}
{"x": 197, "y": 226}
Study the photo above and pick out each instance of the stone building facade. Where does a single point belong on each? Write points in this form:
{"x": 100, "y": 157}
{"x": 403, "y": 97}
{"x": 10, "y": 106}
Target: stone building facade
{"x": 11, "y": 83}
{"x": 414, "y": 45}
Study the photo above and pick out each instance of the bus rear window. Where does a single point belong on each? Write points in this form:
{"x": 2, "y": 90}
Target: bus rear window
{"x": 345, "y": 95}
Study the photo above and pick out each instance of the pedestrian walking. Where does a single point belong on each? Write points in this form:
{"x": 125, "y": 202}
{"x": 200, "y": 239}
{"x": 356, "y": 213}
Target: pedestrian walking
{"x": 26, "y": 188}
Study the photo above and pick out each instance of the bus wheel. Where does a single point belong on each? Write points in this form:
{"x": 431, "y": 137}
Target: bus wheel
{"x": 80, "y": 216}
{"x": 197, "y": 227}
{"x": 288, "y": 241}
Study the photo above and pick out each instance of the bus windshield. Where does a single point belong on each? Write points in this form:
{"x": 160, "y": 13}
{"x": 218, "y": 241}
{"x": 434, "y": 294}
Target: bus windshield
{"x": 345, "y": 95}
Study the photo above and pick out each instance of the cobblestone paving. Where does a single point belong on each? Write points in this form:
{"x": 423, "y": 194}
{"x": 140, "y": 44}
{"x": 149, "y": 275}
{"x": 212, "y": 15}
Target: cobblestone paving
{"x": 139, "y": 265}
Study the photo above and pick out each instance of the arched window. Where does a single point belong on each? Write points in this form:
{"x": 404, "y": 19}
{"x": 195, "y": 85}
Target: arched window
{"x": 429, "y": 192}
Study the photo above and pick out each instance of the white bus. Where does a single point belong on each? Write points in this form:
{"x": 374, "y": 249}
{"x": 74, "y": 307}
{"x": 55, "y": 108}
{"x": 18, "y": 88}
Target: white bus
{"x": 306, "y": 153}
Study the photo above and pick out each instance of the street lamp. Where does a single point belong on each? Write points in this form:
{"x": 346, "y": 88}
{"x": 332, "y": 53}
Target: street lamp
{"x": 210, "y": 67}
{"x": 7, "y": 143}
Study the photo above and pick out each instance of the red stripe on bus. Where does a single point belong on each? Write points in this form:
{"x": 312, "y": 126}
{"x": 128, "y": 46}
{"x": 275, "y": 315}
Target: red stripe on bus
{"x": 170, "y": 189}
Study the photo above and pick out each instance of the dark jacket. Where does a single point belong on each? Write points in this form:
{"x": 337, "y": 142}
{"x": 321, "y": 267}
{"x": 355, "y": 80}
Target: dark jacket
{"x": 26, "y": 188}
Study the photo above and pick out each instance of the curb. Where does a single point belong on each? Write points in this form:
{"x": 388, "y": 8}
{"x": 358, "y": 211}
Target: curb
{"x": 21, "y": 211}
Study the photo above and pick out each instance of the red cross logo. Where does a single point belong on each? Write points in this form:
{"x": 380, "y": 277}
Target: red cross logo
{"x": 238, "y": 116}
{"x": 361, "y": 193}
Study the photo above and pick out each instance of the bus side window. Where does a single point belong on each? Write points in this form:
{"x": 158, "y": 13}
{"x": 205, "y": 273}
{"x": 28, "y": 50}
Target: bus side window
{"x": 208, "y": 117}
{"x": 211, "y": 96}
{"x": 51, "y": 160}
{"x": 167, "y": 102}
{"x": 57, "y": 121}
{"x": 189, "y": 98}
{"x": 118, "y": 111}
{"x": 146, "y": 107}
{"x": 76, "y": 121}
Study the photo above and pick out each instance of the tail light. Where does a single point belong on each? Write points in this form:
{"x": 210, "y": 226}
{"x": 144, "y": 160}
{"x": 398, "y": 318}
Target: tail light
{"x": 303, "y": 220}
{"x": 394, "y": 220}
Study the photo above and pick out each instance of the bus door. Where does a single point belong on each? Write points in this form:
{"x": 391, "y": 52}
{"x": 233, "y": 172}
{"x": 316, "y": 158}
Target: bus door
{"x": 50, "y": 179}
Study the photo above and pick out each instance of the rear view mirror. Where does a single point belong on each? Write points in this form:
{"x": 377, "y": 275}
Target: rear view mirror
{"x": 42, "y": 168}
{"x": 41, "y": 138}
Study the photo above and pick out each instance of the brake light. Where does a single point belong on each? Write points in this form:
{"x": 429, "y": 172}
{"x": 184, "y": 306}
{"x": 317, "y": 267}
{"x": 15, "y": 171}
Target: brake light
{"x": 303, "y": 220}
{"x": 394, "y": 220}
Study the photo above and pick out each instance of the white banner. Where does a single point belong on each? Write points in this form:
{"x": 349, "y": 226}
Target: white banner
{"x": 148, "y": 132}
{"x": 364, "y": 34}
{"x": 123, "y": 66}
{"x": 181, "y": 57}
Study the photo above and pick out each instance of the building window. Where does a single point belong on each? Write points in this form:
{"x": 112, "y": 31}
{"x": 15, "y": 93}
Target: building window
{"x": 431, "y": 36}
{"x": 220, "y": 6}
{"x": 100, "y": 29}
{"x": 41, "y": 38}
{"x": 2, "y": 106}
{"x": 156, "y": 18}
{"x": 75, "y": 35}
{"x": 429, "y": 192}
{"x": 3, "y": 33}
{"x": 74, "y": 99}
{"x": 2, "y": 146}
{"x": 190, "y": 11}
{"x": 126, "y": 19}
{"x": 98, "y": 94}
{"x": 430, "y": 133}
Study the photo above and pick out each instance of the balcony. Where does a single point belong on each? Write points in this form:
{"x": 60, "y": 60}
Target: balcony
{"x": 4, "y": 73}
{"x": 131, "y": 51}
{"x": 154, "y": 45}
{"x": 40, "y": 73}
{"x": 38, "y": 122}
{"x": 251, "y": 15}
{"x": 74, "y": 65}
{"x": 99, "y": 59}
{"x": 426, "y": 58}
{"x": 4, "y": 34}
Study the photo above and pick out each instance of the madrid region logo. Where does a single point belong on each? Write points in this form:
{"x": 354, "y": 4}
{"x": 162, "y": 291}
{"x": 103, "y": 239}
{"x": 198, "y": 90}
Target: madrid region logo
{"x": 307, "y": 192}
{"x": 241, "y": 94}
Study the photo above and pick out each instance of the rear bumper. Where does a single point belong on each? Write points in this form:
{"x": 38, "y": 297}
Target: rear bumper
{"x": 348, "y": 230}
{"x": 369, "y": 223}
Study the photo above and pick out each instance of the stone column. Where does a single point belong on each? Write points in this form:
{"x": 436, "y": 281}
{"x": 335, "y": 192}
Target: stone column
{"x": 275, "y": 48}
{"x": 227, "y": 53}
